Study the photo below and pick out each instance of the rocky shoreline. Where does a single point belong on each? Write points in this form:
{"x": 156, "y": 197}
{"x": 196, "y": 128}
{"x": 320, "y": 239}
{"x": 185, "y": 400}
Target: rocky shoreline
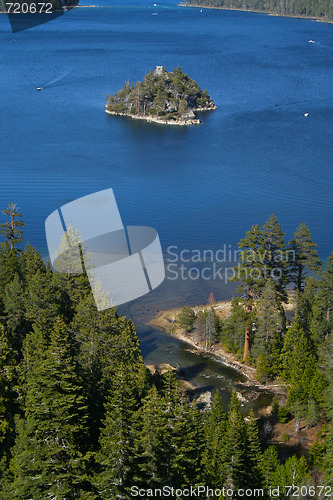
{"x": 268, "y": 13}
{"x": 165, "y": 320}
{"x": 153, "y": 119}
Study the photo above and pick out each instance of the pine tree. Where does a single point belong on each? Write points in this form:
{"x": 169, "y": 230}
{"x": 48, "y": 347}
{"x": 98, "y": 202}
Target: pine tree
{"x": 199, "y": 327}
{"x": 253, "y": 452}
{"x": 326, "y": 288}
{"x": 293, "y": 334}
{"x": 233, "y": 453}
{"x": 251, "y": 273}
{"x": 304, "y": 256}
{"x": 215, "y": 429}
{"x": 308, "y": 310}
{"x": 149, "y": 441}
{"x": 320, "y": 305}
{"x": 41, "y": 299}
{"x": 232, "y": 333}
{"x": 103, "y": 342}
{"x": 267, "y": 341}
{"x": 250, "y": 270}
{"x": 326, "y": 366}
{"x": 50, "y": 457}
{"x": 30, "y": 262}
{"x": 276, "y": 255}
{"x": 9, "y": 267}
{"x": 293, "y": 473}
{"x": 210, "y": 329}
{"x": 269, "y": 464}
{"x": 14, "y": 308}
{"x": 328, "y": 459}
{"x": 116, "y": 454}
{"x": 8, "y": 406}
{"x": 171, "y": 399}
{"x": 189, "y": 443}
{"x": 186, "y": 318}
{"x": 11, "y": 229}
{"x": 299, "y": 367}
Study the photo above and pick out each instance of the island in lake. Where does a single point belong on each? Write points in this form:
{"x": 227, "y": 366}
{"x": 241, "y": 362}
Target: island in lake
{"x": 171, "y": 98}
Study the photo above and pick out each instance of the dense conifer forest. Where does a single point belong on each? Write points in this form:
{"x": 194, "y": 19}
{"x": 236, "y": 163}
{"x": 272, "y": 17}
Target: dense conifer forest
{"x": 308, "y": 8}
{"x": 81, "y": 416}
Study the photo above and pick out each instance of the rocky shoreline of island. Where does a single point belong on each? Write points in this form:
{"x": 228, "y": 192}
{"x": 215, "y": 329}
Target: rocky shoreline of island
{"x": 154, "y": 119}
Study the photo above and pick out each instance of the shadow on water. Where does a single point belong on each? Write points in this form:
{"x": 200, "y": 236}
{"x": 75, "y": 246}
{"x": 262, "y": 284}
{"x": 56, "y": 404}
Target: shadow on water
{"x": 193, "y": 371}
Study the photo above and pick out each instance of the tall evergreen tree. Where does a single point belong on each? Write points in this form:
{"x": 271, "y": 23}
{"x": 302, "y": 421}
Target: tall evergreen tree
{"x": 234, "y": 472}
{"x": 326, "y": 289}
{"x": 170, "y": 438}
{"x": 253, "y": 452}
{"x": 11, "y": 229}
{"x": 116, "y": 454}
{"x": 182, "y": 431}
{"x": 251, "y": 273}
{"x": 215, "y": 429}
{"x": 42, "y": 299}
{"x": 326, "y": 366}
{"x": 8, "y": 405}
{"x": 14, "y": 308}
{"x": 186, "y": 318}
{"x": 299, "y": 367}
{"x": 267, "y": 341}
{"x": 9, "y": 267}
{"x": 269, "y": 464}
{"x": 30, "y": 262}
{"x": 51, "y": 454}
{"x": 293, "y": 334}
{"x": 321, "y": 305}
{"x": 150, "y": 441}
{"x": 210, "y": 329}
{"x": 199, "y": 327}
{"x": 293, "y": 473}
{"x": 304, "y": 256}
{"x": 275, "y": 252}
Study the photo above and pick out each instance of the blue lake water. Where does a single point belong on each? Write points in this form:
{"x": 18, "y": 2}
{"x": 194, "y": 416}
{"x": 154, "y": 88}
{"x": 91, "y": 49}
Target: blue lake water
{"x": 199, "y": 187}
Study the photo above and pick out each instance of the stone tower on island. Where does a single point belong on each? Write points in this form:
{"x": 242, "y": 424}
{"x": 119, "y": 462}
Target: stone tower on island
{"x": 158, "y": 71}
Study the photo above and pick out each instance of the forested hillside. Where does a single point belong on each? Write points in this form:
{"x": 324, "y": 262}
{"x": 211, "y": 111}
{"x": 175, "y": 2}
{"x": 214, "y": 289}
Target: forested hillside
{"x": 309, "y": 8}
{"x": 81, "y": 417}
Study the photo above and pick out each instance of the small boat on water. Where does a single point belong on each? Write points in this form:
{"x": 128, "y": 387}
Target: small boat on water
{"x": 39, "y": 88}
{"x": 312, "y": 41}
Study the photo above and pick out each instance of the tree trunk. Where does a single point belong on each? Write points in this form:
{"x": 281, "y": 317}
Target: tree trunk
{"x": 299, "y": 278}
{"x": 247, "y": 330}
{"x": 297, "y": 423}
{"x": 247, "y": 343}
